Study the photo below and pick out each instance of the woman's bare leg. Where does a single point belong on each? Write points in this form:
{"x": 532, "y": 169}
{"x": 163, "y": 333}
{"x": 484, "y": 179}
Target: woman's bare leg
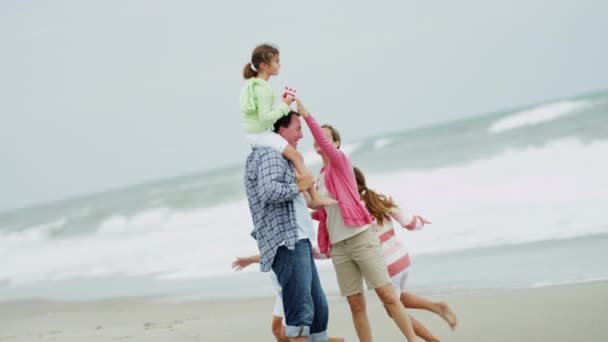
{"x": 396, "y": 311}
{"x": 360, "y": 319}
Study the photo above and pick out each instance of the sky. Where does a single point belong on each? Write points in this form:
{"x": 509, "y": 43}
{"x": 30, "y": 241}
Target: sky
{"x": 96, "y": 95}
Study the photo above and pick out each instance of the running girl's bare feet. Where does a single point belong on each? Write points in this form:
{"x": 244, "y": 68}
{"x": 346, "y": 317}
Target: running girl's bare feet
{"x": 446, "y": 313}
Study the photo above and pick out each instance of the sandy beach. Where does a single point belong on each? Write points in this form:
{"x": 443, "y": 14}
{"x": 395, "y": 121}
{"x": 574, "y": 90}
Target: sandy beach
{"x": 576, "y": 312}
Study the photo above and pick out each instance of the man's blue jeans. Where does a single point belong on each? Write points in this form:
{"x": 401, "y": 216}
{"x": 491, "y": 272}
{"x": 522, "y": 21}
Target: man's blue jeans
{"x": 304, "y": 302}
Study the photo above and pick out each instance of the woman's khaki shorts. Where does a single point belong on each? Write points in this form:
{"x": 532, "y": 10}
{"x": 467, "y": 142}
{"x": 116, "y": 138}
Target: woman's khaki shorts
{"x": 359, "y": 257}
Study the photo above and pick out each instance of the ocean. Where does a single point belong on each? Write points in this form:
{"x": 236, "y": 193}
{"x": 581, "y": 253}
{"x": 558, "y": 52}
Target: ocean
{"x": 517, "y": 199}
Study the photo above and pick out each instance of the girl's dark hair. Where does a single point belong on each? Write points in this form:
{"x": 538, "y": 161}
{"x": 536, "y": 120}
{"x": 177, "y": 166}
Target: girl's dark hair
{"x": 379, "y": 205}
{"x": 335, "y": 135}
{"x": 263, "y": 53}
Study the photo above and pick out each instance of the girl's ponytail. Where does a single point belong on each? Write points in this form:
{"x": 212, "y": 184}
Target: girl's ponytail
{"x": 248, "y": 71}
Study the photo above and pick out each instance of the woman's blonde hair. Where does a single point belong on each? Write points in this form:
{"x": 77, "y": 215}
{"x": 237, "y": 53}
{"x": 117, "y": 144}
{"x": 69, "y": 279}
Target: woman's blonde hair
{"x": 335, "y": 135}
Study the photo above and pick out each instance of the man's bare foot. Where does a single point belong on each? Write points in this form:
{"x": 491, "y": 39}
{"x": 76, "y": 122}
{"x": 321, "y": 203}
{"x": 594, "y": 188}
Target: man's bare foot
{"x": 446, "y": 313}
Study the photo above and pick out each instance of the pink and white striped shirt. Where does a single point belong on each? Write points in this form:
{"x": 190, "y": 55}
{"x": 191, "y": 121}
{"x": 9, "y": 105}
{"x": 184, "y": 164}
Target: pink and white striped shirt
{"x": 395, "y": 254}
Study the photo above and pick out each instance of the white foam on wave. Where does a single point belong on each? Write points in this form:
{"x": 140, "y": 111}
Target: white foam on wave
{"x": 146, "y": 220}
{"x": 191, "y": 245}
{"x": 34, "y": 233}
{"x": 551, "y": 192}
{"x": 383, "y": 142}
{"x": 568, "y": 282}
{"x": 538, "y": 115}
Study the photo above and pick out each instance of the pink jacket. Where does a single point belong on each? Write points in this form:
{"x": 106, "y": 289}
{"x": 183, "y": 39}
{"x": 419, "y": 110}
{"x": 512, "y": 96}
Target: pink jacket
{"x": 341, "y": 184}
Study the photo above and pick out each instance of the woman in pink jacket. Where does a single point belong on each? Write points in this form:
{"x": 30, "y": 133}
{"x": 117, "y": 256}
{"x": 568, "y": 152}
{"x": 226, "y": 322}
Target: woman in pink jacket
{"x": 345, "y": 232}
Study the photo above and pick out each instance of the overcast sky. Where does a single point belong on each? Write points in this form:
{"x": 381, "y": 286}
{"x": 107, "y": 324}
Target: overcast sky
{"x": 96, "y": 95}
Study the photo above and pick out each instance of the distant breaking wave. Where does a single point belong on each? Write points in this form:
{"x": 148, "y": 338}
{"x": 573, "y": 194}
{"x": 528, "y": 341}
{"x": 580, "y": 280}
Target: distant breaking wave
{"x": 538, "y": 115}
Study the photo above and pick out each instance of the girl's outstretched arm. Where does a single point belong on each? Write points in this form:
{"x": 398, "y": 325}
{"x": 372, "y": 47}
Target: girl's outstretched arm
{"x": 410, "y": 222}
{"x": 242, "y": 262}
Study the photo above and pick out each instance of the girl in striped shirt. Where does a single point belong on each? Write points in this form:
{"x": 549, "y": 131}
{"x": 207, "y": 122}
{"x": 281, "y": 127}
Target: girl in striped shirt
{"x": 397, "y": 258}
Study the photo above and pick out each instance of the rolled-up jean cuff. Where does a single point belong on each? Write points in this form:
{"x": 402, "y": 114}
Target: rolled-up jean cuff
{"x": 318, "y": 337}
{"x": 291, "y": 331}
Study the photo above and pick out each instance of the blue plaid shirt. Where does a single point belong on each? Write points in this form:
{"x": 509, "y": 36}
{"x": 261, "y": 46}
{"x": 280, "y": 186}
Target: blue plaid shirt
{"x": 271, "y": 188}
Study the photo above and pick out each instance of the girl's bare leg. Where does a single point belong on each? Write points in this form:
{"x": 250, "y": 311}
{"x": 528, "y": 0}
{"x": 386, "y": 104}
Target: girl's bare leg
{"x": 442, "y": 309}
{"x": 422, "y": 331}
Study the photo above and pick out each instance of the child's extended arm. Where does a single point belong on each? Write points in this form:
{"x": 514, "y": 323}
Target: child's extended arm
{"x": 410, "y": 222}
{"x": 242, "y": 262}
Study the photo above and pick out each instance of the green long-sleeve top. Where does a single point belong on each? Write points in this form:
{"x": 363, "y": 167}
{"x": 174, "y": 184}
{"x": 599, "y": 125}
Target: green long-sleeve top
{"x": 257, "y": 99}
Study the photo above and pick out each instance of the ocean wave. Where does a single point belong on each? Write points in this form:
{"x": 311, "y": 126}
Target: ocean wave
{"x": 554, "y": 191}
{"x": 588, "y": 279}
{"x": 31, "y": 234}
{"x": 550, "y": 192}
{"x": 145, "y": 220}
{"x": 189, "y": 245}
{"x": 383, "y": 142}
{"x": 538, "y": 115}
